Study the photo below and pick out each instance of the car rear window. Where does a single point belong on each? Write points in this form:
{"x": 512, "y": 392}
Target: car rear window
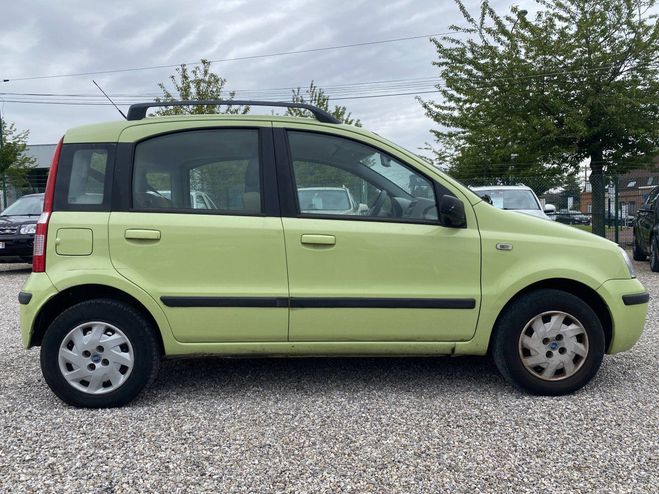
{"x": 84, "y": 177}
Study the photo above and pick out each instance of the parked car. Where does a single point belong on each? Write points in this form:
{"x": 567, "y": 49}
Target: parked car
{"x": 428, "y": 269}
{"x": 516, "y": 198}
{"x": 18, "y": 223}
{"x": 329, "y": 200}
{"x": 646, "y": 231}
{"x": 570, "y": 217}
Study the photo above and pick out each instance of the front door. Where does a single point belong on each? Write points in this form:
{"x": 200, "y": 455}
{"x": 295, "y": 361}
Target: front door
{"x": 198, "y": 236}
{"x": 367, "y": 257}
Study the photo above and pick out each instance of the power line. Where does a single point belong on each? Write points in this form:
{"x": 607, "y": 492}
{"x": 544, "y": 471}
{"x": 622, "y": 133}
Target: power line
{"x": 234, "y": 59}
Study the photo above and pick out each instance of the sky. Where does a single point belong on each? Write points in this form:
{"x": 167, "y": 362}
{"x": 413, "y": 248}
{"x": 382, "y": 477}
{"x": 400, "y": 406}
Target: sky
{"x": 43, "y": 39}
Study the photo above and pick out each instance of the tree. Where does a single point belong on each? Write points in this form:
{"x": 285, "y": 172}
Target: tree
{"x": 316, "y": 96}
{"x": 199, "y": 84}
{"x": 524, "y": 97}
{"x": 14, "y": 164}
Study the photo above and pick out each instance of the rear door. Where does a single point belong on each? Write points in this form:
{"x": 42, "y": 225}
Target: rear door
{"x": 218, "y": 271}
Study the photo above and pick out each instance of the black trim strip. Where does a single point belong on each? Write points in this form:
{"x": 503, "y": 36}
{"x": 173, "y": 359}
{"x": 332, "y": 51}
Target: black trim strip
{"x": 24, "y": 298}
{"x": 383, "y": 303}
{"x": 224, "y": 301}
{"x": 322, "y": 303}
{"x": 636, "y": 299}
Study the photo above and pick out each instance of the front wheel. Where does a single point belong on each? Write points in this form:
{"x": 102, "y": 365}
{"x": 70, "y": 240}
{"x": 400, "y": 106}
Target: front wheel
{"x": 654, "y": 254}
{"x": 99, "y": 353}
{"x": 549, "y": 342}
{"x": 637, "y": 251}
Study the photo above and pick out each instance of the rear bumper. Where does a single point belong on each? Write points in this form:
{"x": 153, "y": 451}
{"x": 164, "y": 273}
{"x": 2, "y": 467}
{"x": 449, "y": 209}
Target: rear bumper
{"x": 36, "y": 291}
{"x": 628, "y": 305}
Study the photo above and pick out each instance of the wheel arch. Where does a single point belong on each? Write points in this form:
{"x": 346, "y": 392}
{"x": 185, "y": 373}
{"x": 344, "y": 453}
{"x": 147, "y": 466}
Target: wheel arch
{"x": 81, "y": 293}
{"x": 580, "y": 290}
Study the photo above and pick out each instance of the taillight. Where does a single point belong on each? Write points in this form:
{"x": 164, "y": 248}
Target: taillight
{"x": 41, "y": 235}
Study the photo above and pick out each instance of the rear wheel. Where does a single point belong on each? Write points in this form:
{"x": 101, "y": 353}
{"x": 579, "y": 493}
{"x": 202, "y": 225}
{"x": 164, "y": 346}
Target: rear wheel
{"x": 654, "y": 254}
{"x": 637, "y": 251}
{"x": 549, "y": 342}
{"x": 100, "y": 353}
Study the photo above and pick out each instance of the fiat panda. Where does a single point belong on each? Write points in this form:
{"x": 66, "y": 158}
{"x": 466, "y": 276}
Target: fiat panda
{"x": 129, "y": 269}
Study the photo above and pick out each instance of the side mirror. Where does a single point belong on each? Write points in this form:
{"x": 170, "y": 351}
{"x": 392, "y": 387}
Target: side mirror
{"x": 550, "y": 208}
{"x": 487, "y": 199}
{"x": 362, "y": 209}
{"x": 452, "y": 212}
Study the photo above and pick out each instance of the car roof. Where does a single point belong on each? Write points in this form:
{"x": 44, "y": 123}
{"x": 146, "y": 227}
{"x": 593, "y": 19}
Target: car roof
{"x": 110, "y": 131}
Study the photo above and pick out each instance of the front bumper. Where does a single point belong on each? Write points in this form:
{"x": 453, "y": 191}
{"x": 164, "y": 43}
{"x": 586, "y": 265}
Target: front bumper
{"x": 628, "y": 305}
{"x": 16, "y": 246}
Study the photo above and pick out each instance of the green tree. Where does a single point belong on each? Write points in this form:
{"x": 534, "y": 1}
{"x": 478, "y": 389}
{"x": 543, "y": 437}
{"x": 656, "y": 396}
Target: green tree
{"x": 523, "y": 97}
{"x": 14, "y": 164}
{"x": 315, "y": 96}
{"x": 199, "y": 84}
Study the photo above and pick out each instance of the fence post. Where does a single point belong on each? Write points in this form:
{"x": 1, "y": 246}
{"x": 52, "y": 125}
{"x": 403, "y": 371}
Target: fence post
{"x": 616, "y": 196}
{"x": 4, "y": 191}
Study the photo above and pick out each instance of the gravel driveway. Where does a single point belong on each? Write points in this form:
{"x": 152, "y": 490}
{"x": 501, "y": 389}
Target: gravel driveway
{"x": 332, "y": 425}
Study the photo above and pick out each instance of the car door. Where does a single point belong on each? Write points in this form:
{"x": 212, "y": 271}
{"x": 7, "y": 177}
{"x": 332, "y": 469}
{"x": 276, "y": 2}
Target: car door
{"x": 219, "y": 273}
{"x": 384, "y": 271}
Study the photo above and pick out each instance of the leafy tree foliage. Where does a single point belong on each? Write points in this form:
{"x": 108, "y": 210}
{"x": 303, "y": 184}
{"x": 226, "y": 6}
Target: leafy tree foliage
{"x": 315, "y": 96}
{"x": 14, "y": 164}
{"x": 528, "y": 97}
{"x": 199, "y": 84}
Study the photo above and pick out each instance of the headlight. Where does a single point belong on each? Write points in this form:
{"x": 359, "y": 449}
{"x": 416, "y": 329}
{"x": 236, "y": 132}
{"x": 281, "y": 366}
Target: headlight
{"x": 628, "y": 262}
{"x": 30, "y": 229}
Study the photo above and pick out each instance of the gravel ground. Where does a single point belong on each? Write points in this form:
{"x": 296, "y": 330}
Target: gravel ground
{"x": 332, "y": 425}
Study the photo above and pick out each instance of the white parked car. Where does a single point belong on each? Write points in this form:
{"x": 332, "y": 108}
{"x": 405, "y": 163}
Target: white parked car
{"x": 516, "y": 198}
{"x": 329, "y": 200}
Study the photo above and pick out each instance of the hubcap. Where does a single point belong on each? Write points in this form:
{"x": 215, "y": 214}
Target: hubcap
{"x": 553, "y": 346}
{"x": 96, "y": 357}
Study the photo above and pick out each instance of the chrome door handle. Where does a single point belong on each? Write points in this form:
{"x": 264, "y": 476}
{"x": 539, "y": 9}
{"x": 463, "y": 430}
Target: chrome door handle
{"x": 138, "y": 234}
{"x": 308, "y": 239}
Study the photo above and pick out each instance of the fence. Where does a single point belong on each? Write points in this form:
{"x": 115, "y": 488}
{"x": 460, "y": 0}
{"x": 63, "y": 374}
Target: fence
{"x": 569, "y": 200}
{"x": 34, "y": 182}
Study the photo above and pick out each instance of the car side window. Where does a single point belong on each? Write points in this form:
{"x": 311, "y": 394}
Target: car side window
{"x": 339, "y": 177}
{"x": 213, "y": 171}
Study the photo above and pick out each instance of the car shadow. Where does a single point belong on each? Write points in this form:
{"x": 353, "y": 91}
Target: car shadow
{"x": 195, "y": 377}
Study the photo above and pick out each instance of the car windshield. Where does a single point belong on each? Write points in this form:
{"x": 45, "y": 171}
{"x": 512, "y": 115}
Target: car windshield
{"x": 25, "y": 206}
{"x": 510, "y": 198}
{"x": 328, "y": 200}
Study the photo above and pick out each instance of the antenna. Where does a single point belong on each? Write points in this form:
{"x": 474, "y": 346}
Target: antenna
{"x": 99, "y": 88}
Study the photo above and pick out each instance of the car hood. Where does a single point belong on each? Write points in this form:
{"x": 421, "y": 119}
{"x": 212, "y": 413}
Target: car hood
{"x": 17, "y": 220}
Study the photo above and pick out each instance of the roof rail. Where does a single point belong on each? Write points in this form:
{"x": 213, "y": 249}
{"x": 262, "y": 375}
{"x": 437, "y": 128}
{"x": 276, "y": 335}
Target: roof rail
{"x": 138, "y": 110}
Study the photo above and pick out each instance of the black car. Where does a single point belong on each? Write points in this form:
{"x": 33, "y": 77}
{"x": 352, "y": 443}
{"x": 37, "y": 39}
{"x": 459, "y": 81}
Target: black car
{"x": 570, "y": 217}
{"x": 646, "y": 231}
{"x": 17, "y": 226}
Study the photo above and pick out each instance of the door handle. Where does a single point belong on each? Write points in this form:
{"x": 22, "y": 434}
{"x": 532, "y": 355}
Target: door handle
{"x": 135, "y": 234}
{"x": 308, "y": 239}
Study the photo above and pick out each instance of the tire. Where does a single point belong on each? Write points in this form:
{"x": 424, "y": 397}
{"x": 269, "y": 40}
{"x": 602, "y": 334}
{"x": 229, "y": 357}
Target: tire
{"x": 567, "y": 357}
{"x": 654, "y": 254}
{"x": 637, "y": 251}
{"x": 107, "y": 350}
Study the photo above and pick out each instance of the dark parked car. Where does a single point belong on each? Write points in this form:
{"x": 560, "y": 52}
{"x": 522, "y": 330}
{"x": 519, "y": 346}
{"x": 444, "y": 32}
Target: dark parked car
{"x": 17, "y": 226}
{"x": 570, "y": 217}
{"x": 646, "y": 231}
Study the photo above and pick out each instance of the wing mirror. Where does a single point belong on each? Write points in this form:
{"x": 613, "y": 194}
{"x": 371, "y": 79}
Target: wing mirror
{"x": 452, "y": 212}
{"x": 550, "y": 209}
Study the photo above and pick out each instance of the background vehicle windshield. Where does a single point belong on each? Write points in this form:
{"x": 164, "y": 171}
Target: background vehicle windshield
{"x": 25, "y": 206}
{"x": 510, "y": 199}
{"x": 328, "y": 200}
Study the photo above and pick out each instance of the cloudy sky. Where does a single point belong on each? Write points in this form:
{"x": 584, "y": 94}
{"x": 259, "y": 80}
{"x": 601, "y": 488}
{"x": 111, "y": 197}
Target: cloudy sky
{"x": 43, "y": 41}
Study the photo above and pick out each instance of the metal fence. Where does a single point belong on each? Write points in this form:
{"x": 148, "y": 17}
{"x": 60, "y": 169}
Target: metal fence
{"x": 569, "y": 200}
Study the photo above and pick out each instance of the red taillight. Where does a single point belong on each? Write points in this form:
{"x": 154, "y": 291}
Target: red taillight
{"x": 41, "y": 235}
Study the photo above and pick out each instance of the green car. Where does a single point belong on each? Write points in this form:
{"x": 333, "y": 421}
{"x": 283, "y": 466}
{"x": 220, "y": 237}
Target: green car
{"x": 124, "y": 275}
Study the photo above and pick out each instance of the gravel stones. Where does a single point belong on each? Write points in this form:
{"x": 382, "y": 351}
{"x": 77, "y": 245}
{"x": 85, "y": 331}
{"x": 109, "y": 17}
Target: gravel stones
{"x": 332, "y": 425}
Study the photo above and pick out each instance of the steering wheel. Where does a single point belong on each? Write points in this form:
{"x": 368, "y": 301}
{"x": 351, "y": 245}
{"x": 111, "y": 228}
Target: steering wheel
{"x": 377, "y": 204}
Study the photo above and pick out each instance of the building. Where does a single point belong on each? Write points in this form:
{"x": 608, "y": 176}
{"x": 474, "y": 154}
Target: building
{"x": 633, "y": 190}
{"x": 43, "y": 155}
